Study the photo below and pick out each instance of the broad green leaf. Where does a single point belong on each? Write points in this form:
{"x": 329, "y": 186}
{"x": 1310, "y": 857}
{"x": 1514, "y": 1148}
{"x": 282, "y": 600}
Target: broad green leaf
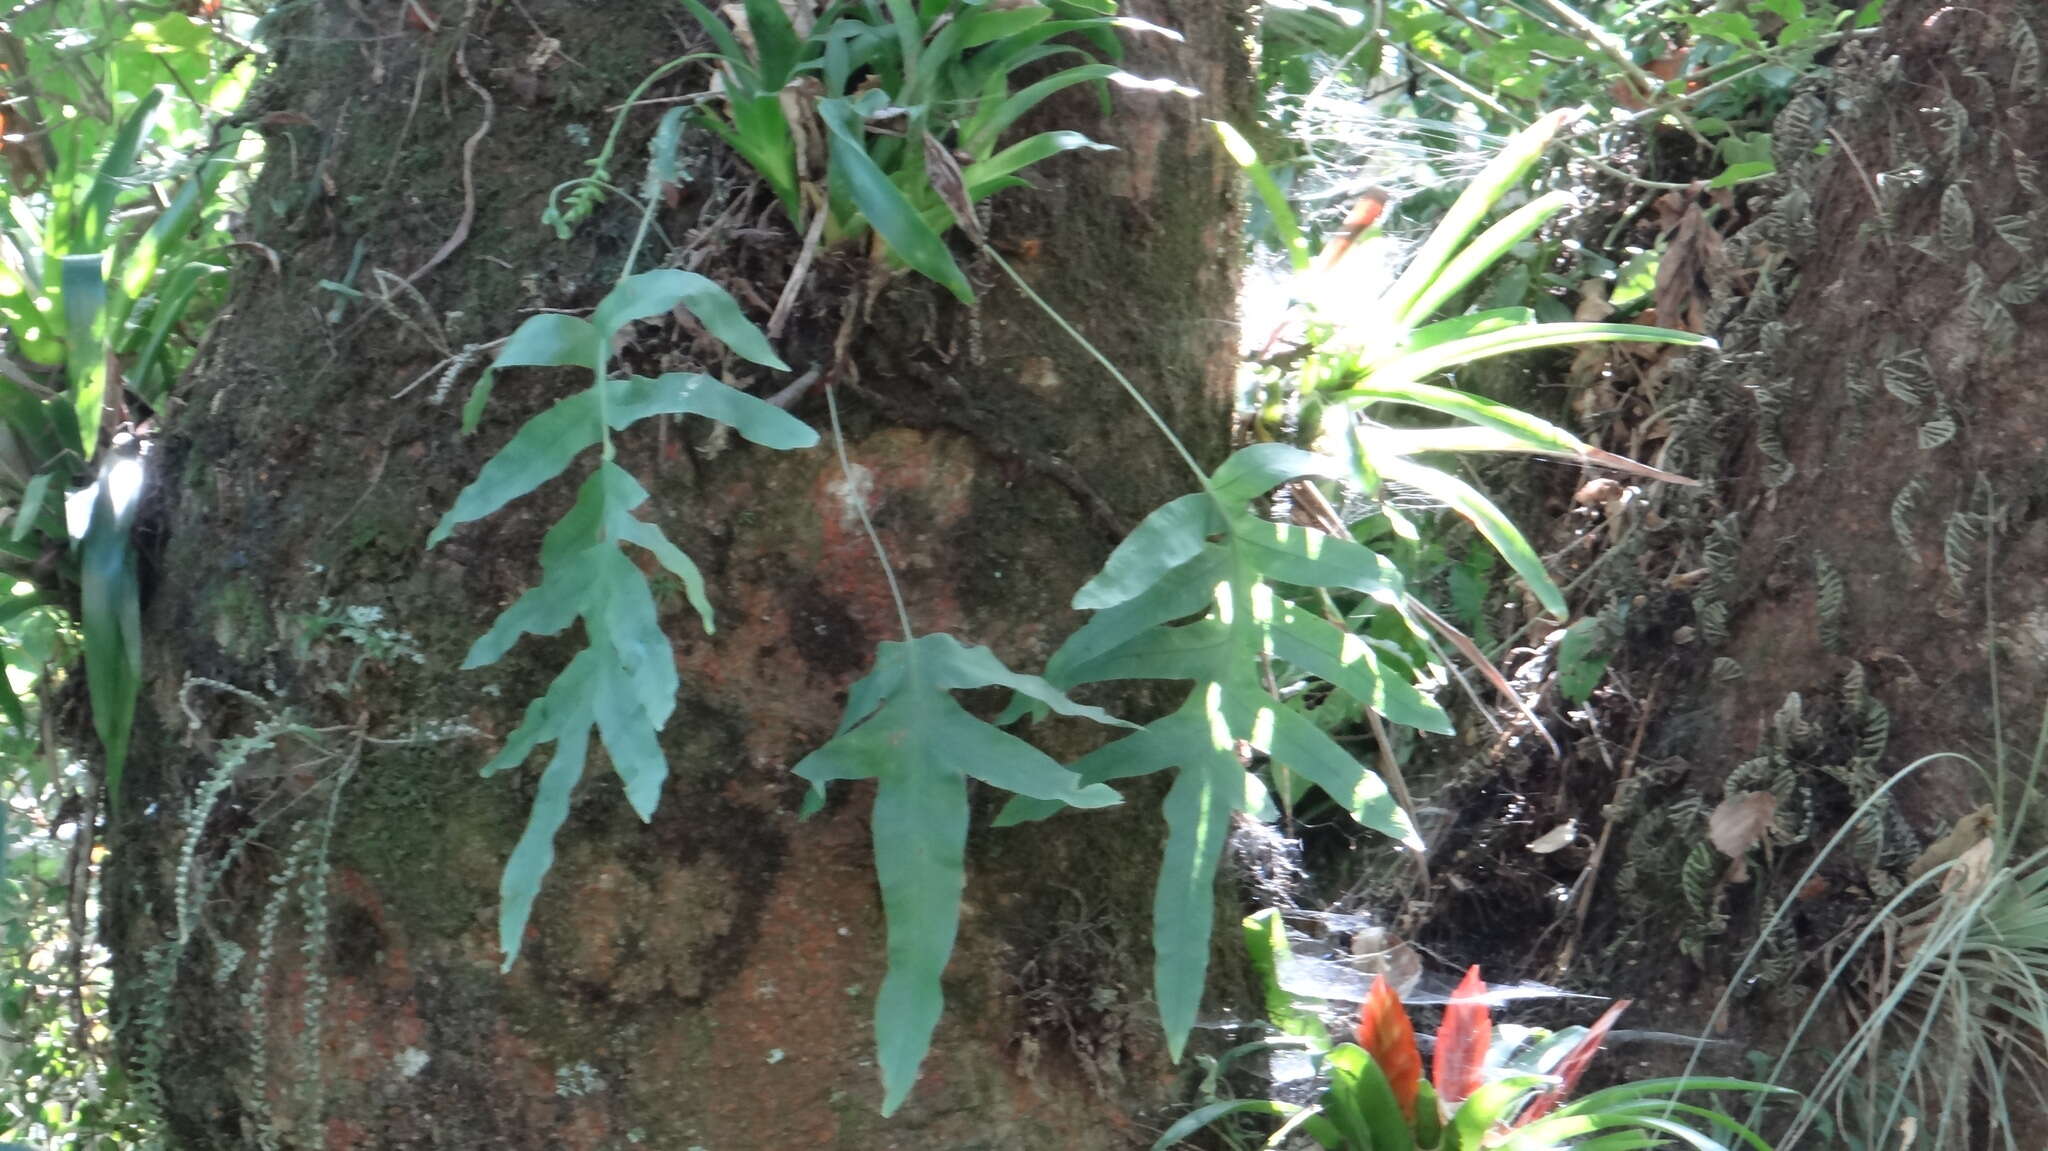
{"x": 883, "y": 204}
{"x": 195, "y": 196}
{"x": 1289, "y": 553}
{"x": 1352, "y": 664}
{"x": 1253, "y": 471}
{"x": 32, "y": 498}
{"x": 1361, "y": 1102}
{"x": 1743, "y": 173}
{"x": 1482, "y": 513}
{"x": 548, "y": 340}
{"x": 546, "y": 445}
{"x": 1179, "y": 592}
{"x": 775, "y": 41}
{"x": 922, "y": 747}
{"x": 1582, "y": 659}
{"x": 655, "y": 293}
{"x": 1172, "y": 535}
{"x": 561, "y": 717}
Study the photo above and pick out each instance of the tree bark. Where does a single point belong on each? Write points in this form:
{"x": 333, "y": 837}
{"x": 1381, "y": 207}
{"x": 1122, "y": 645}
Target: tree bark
{"x": 1814, "y": 617}
{"x": 705, "y": 980}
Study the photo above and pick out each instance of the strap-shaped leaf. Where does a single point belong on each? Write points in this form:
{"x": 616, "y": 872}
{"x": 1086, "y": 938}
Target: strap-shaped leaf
{"x": 883, "y": 203}
{"x": 922, "y": 747}
{"x": 985, "y": 177}
{"x": 1499, "y": 530}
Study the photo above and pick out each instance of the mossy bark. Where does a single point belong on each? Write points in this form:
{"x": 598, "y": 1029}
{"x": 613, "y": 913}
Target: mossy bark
{"x": 705, "y": 980}
{"x": 1870, "y": 535}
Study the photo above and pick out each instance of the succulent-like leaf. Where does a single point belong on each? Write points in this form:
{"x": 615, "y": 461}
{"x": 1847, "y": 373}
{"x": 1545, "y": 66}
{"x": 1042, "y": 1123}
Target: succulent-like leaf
{"x": 883, "y": 203}
{"x": 904, "y": 729}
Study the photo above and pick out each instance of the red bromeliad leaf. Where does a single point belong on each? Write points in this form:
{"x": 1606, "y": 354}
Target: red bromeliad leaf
{"x": 1574, "y": 1065}
{"x": 1461, "y": 1042}
{"x": 1387, "y": 1035}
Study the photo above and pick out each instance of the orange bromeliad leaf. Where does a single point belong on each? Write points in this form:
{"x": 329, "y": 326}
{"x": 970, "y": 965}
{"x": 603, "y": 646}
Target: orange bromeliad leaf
{"x": 1387, "y": 1035}
{"x": 1574, "y": 1065}
{"x": 1461, "y": 1041}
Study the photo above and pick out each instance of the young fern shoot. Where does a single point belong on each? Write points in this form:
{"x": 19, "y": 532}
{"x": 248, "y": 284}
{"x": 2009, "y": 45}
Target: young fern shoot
{"x": 622, "y": 686}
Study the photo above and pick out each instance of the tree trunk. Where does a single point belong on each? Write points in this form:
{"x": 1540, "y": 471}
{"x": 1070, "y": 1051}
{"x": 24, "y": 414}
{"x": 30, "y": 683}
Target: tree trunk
{"x": 705, "y": 980}
{"x": 1813, "y": 618}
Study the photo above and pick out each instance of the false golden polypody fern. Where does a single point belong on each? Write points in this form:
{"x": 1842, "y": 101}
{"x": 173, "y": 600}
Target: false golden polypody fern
{"x": 1205, "y": 554}
{"x": 623, "y": 685}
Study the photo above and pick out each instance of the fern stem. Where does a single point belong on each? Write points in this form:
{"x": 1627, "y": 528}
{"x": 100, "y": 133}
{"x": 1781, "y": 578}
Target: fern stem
{"x": 860, "y": 507}
{"x": 1151, "y": 412}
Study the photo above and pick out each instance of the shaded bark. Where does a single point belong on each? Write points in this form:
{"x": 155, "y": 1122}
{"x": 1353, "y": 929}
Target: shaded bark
{"x": 705, "y": 980}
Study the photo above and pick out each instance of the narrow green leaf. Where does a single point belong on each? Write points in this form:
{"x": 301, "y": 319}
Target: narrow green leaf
{"x": 1413, "y": 366}
{"x": 1502, "y": 174}
{"x": 1201, "y": 1117}
{"x": 94, "y": 219}
{"x": 985, "y": 177}
{"x": 534, "y": 854}
{"x": 1539, "y": 435}
{"x": 110, "y": 612}
{"x": 1487, "y": 250}
{"x": 1269, "y": 193}
{"x": 980, "y": 133}
{"x": 1482, "y": 514}
{"x": 882, "y": 203}
{"x": 151, "y": 371}
{"x": 31, "y": 509}
{"x": 85, "y": 343}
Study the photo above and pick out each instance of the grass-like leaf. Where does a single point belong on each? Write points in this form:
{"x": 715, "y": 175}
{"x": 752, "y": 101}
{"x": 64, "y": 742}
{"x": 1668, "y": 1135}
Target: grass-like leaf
{"x": 903, "y": 729}
{"x": 883, "y": 203}
{"x": 622, "y": 686}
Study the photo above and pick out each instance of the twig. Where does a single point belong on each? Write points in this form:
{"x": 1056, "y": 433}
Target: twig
{"x": 456, "y": 239}
{"x": 786, "y": 303}
{"x": 1582, "y": 888}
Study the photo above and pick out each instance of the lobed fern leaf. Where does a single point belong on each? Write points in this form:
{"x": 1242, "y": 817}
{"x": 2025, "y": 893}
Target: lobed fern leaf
{"x": 622, "y": 686}
{"x": 903, "y": 729}
{"x": 1205, "y": 555}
